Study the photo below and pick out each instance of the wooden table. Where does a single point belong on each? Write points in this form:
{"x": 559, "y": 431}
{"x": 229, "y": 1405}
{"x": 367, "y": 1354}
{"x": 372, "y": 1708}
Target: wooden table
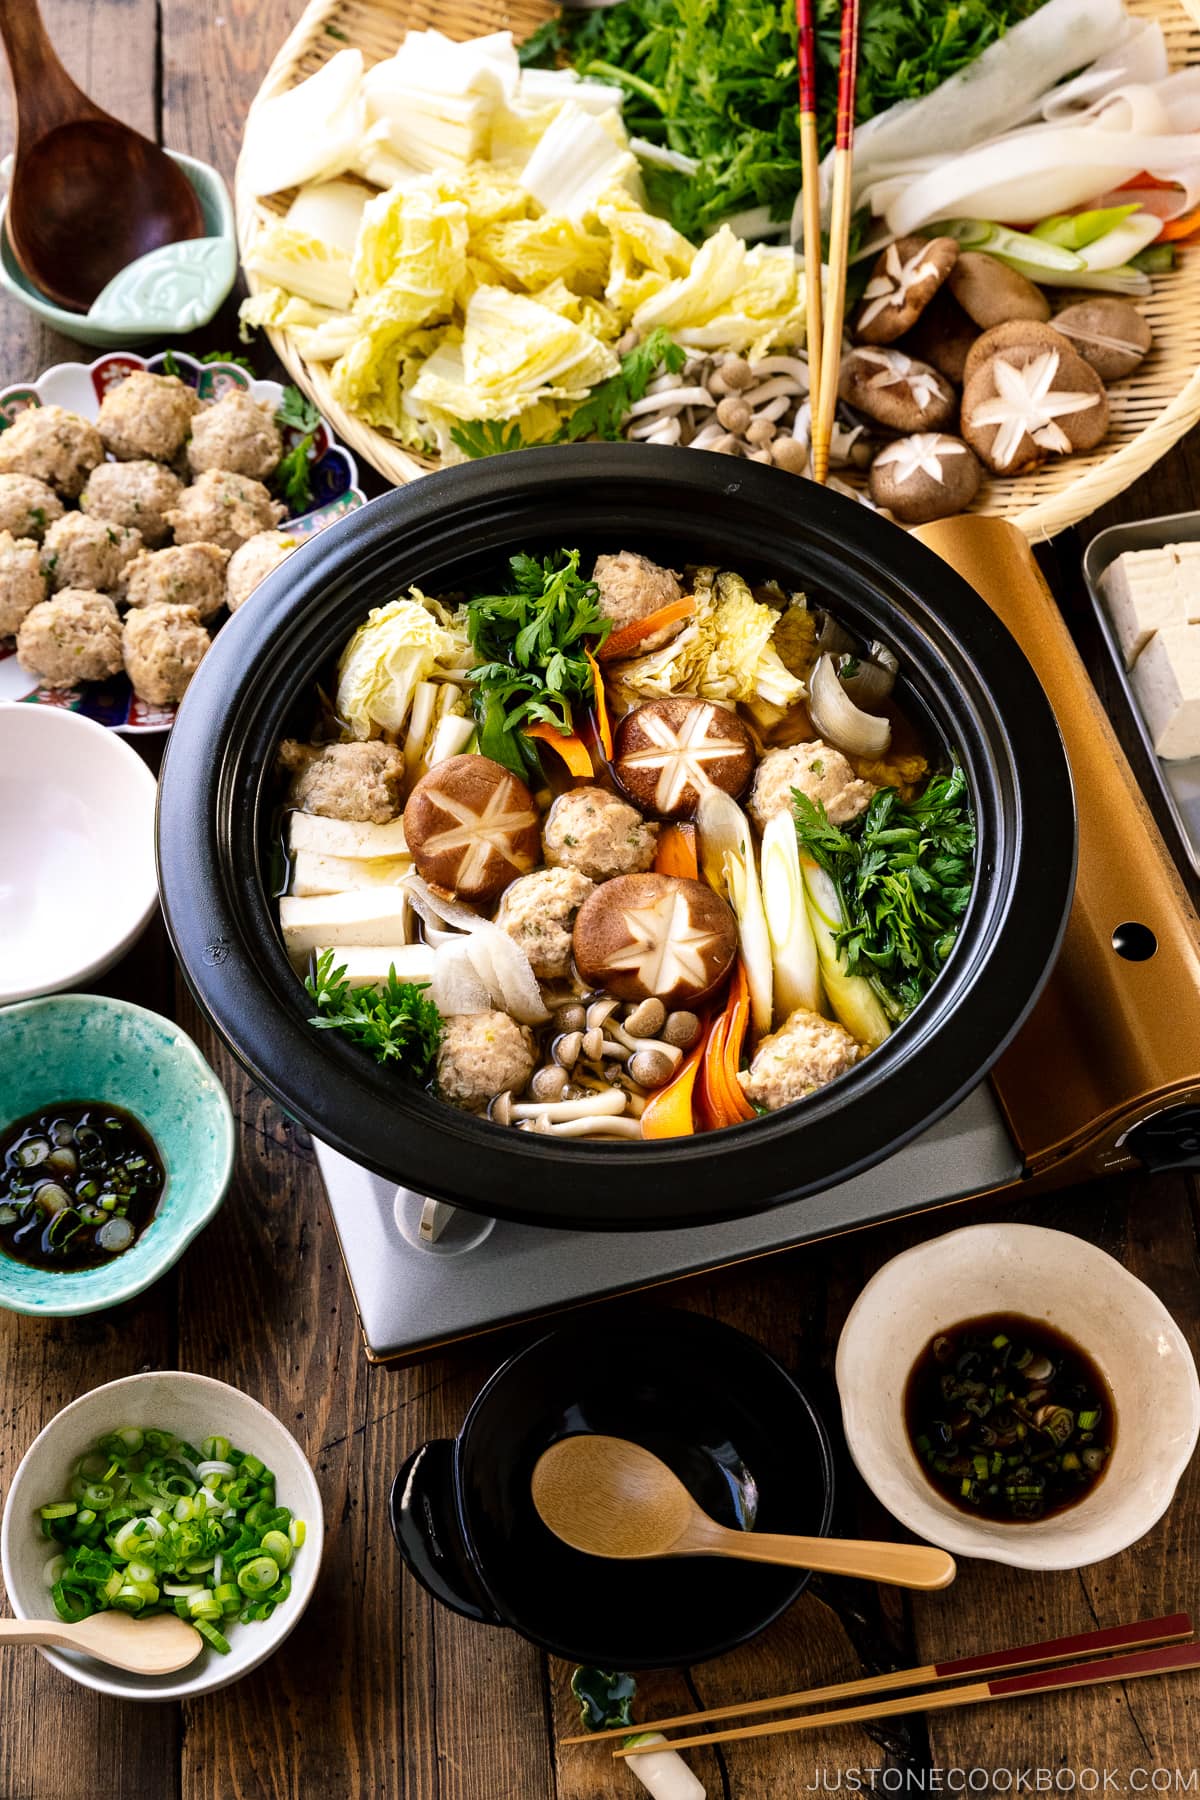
{"x": 379, "y": 1693}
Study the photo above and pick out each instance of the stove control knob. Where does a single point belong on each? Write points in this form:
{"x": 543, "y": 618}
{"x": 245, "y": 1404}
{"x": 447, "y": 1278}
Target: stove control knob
{"x": 1168, "y": 1140}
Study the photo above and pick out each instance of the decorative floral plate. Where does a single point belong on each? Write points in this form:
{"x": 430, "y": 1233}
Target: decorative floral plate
{"x": 80, "y": 387}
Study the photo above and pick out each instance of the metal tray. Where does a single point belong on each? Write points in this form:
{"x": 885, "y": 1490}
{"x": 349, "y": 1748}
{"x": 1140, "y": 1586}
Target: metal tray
{"x": 1178, "y": 781}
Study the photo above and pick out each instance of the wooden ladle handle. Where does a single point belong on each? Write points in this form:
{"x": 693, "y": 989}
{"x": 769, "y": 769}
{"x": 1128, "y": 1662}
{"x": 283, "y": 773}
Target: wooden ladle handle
{"x": 46, "y": 95}
{"x": 37, "y": 1631}
{"x": 898, "y": 1565}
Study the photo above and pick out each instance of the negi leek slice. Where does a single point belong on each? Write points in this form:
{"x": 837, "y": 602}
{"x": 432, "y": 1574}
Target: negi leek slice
{"x": 663, "y": 1773}
{"x": 793, "y": 947}
{"x": 728, "y": 864}
{"x": 854, "y": 1001}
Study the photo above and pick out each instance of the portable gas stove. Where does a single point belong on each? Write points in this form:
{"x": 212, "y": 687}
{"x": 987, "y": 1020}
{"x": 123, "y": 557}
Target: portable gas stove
{"x": 1105, "y": 1075}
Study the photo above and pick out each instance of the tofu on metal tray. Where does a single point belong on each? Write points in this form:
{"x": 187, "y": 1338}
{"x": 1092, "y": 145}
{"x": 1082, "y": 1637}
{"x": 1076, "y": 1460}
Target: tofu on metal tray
{"x": 1153, "y": 600}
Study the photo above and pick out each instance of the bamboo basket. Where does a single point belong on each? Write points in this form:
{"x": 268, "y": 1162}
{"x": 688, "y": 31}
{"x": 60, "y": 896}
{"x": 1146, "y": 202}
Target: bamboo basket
{"x": 1150, "y": 411}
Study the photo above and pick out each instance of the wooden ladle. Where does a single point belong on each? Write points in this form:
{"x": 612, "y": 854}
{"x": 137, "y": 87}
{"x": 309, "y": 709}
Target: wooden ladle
{"x": 608, "y": 1497}
{"x": 155, "y": 1646}
{"x": 88, "y": 195}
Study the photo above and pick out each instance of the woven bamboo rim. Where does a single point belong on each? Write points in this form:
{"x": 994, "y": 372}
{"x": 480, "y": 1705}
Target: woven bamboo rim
{"x": 1150, "y": 412}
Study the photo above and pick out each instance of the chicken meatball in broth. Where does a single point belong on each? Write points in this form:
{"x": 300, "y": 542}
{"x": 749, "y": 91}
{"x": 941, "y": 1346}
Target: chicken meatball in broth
{"x": 590, "y": 830}
{"x": 538, "y": 913}
{"x": 816, "y": 770}
{"x": 482, "y": 1055}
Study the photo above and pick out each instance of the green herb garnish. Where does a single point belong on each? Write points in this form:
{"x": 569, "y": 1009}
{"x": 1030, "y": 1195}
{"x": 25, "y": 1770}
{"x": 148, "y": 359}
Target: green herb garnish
{"x": 170, "y": 366}
{"x": 718, "y": 83}
{"x": 903, "y": 872}
{"x": 228, "y": 356}
{"x": 487, "y": 437}
{"x": 532, "y": 655}
{"x": 393, "y": 1020}
{"x": 292, "y": 480}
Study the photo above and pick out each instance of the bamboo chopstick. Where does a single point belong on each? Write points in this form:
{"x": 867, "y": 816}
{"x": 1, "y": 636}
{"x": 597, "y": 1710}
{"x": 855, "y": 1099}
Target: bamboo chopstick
{"x": 1137, "y": 1636}
{"x": 839, "y": 243}
{"x": 1168, "y": 1660}
{"x": 810, "y": 187}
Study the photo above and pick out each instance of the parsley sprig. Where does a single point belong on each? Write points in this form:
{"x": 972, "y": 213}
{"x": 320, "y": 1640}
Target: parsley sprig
{"x": 904, "y": 872}
{"x": 602, "y": 415}
{"x": 292, "y": 480}
{"x": 392, "y": 1019}
{"x": 532, "y": 654}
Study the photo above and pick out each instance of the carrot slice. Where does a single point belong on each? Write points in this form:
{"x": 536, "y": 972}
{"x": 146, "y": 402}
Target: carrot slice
{"x": 676, "y": 853}
{"x": 1183, "y": 227}
{"x": 669, "y": 1112}
{"x": 571, "y": 748}
{"x": 722, "y": 1097}
{"x": 600, "y": 706}
{"x": 625, "y": 642}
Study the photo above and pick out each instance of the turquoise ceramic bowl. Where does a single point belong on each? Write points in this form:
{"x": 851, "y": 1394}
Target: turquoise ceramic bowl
{"x": 86, "y": 1047}
{"x": 172, "y": 291}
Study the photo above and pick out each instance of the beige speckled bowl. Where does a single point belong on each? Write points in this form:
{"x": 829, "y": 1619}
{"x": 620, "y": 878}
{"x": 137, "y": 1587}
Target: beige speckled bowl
{"x": 1083, "y": 1292}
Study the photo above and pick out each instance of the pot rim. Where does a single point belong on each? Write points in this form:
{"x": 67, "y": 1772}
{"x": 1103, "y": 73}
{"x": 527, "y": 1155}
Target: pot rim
{"x": 215, "y": 887}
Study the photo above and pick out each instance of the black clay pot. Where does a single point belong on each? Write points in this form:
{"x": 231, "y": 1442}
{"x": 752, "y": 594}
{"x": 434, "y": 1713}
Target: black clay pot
{"x": 739, "y": 1433}
{"x": 961, "y": 671}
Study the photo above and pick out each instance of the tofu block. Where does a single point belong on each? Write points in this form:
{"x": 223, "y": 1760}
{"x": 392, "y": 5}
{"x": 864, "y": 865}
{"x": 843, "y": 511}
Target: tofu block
{"x": 365, "y": 967}
{"x": 1166, "y": 681}
{"x": 318, "y": 921}
{"x": 345, "y": 837}
{"x": 1143, "y": 592}
{"x": 316, "y": 874}
{"x": 1187, "y": 557}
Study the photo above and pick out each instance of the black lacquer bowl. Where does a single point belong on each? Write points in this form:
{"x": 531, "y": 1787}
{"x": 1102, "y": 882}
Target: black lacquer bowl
{"x": 962, "y": 673}
{"x": 735, "y": 1428}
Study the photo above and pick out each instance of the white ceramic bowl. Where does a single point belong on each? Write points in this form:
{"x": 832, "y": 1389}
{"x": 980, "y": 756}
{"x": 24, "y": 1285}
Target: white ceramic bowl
{"x": 77, "y": 881}
{"x": 1068, "y": 1283}
{"x": 194, "y": 1407}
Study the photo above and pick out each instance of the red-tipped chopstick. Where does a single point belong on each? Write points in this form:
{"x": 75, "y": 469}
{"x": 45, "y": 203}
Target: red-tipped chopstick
{"x": 1168, "y": 1660}
{"x": 810, "y": 189}
{"x": 839, "y": 243}
{"x": 1138, "y": 1636}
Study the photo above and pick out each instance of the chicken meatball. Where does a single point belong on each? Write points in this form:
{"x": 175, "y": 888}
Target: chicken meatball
{"x": 818, "y": 771}
{"x": 805, "y": 1054}
{"x": 538, "y": 913}
{"x": 82, "y": 552}
{"x": 163, "y": 646}
{"x": 74, "y": 637}
{"x": 223, "y": 508}
{"x": 181, "y": 575}
{"x": 253, "y": 561}
{"x": 345, "y": 781}
{"x": 27, "y": 506}
{"x": 238, "y": 433}
{"x": 22, "y": 584}
{"x": 592, "y": 831}
{"x": 52, "y": 445}
{"x": 631, "y": 588}
{"x": 147, "y": 416}
{"x": 133, "y": 493}
{"x": 481, "y": 1055}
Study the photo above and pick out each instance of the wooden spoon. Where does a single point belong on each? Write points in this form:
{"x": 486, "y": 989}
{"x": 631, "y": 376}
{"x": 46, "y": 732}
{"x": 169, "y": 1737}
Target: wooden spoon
{"x": 88, "y": 195}
{"x": 155, "y": 1646}
{"x": 608, "y": 1497}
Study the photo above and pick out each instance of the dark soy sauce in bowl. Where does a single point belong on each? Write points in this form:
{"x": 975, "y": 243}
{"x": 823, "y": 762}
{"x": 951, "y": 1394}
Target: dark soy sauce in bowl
{"x": 79, "y": 1183}
{"x": 1008, "y": 1418}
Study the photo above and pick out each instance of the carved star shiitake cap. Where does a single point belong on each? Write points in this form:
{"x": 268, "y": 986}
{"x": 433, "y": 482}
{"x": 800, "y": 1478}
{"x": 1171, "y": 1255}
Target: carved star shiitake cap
{"x": 472, "y": 827}
{"x": 670, "y": 752}
{"x": 655, "y": 936}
